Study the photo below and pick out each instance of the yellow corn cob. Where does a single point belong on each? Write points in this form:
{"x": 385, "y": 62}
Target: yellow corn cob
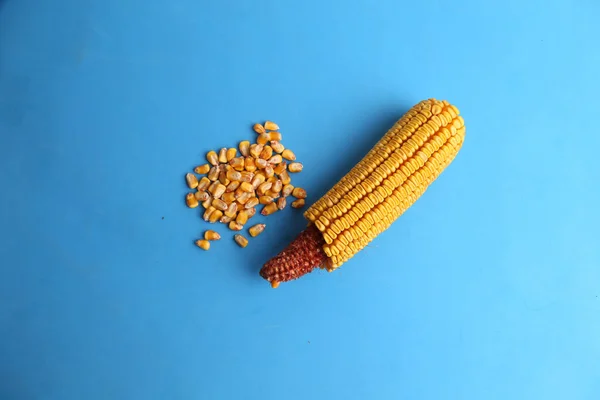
{"x": 384, "y": 184}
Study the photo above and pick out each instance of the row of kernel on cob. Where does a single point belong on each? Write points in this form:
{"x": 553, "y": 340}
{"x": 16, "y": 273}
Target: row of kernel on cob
{"x": 233, "y": 186}
{"x": 382, "y": 186}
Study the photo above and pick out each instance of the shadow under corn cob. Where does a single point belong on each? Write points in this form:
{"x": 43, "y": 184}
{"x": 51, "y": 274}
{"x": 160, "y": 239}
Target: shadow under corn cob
{"x": 369, "y": 198}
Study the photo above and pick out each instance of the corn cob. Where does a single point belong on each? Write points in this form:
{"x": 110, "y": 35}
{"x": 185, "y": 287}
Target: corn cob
{"x": 380, "y": 188}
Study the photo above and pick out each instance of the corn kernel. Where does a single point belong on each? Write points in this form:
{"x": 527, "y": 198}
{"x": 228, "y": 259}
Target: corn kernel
{"x": 262, "y": 139}
{"x": 247, "y": 187}
{"x": 212, "y": 157}
{"x": 247, "y": 176}
{"x": 213, "y": 174}
{"x": 263, "y": 187}
{"x": 191, "y": 200}
{"x": 275, "y": 160}
{"x": 234, "y": 226}
{"x": 266, "y": 152}
{"x": 249, "y": 164}
{"x": 272, "y": 193}
{"x": 242, "y": 217}
{"x": 232, "y": 186}
{"x": 202, "y": 169}
{"x": 252, "y": 202}
{"x": 244, "y": 147}
{"x": 219, "y": 191}
{"x": 275, "y": 136}
{"x": 256, "y": 230}
{"x": 206, "y": 203}
{"x": 269, "y": 209}
{"x": 234, "y": 175}
{"x": 237, "y": 163}
{"x": 223, "y": 177}
{"x": 265, "y": 199}
{"x": 285, "y": 177}
{"x": 219, "y": 204}
{"x": 228, "y": 197}
{"x": 225, "y": 219}
{"x": 257, "y": 181}
{"x": 288, "y": 155}
{"x": 203, "y": 184}
{"x": 299, "y": 193}
{"x": 191, "y": 180}
{"x": 298, "y": 203}
{"x": 271, "y": 126}
{"x": 231, "y": 153}
{"x": 269, "y": 171}
{"x": 201, "y": 195}
{"x": 260, "y": 163}
{"x": 258, "y": 128}
{"x": 203, "y": 244}
{"x": 223, "y": 155}
{"x": 231, "y": 210}
{"x": 277, "y": 186}
{"x": 251, "y": 212}
{"x": 255, "y": 150}
{"x": 295, "y": 167}
{"x": 287, "y": 190}
{"x": 211, "y": 235}
{"x": 281, "y": 203}
{"x": 208, "y": 212}
{"x": 215, "y": 216}
{"x": 277, "y": 146}
{"x": 279, "y": 168}
{"x": 274, "y": 284}
{"x": 240, "y": 240}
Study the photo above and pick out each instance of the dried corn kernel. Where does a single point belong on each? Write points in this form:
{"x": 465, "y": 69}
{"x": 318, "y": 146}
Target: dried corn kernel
{"x": 266, "y": 152}
{"x": 237, "y": 163}
{"x": 269, "y": 209}
{"x": 240, "y": 240}
{"x": 252, "y": 202}
{"x": 206, "y": 203}
{"x": 260, "y": 163}
{"x": 212, "y": 157}
{"x": 298, "y": 203}
{"x": 299, "y": 193}
{"x": 203, "y": 244}
{"x": 244, "y": 147}
{"x": 258, "y": 128}
{"x": 247, "y": 176}
{"x": 231, "y": 210}
{"x": 258, "y": 180}
{"x": 234, "y": 175}
{"x": 255, "y": 150}
{"x": 225, "y": 219}
{"x": 281, "y": 203}
{"x": 251, "y": 212}
{"x": 232, "y": 186}
{"x": 262, "y": 139}
{"x": 249, "y": 164}
{"x": 271, "y": 126}
{"x": 201, "y": 195}
{"x": 244, "y": 197}
{"x": 219, "y": 204}
{"x": 295, "y": 167}
{"x": 263, "y": 187}
{"x": 223, "y": 155}
{"x": 202, "y": 169}
{"x": 288, "y": 155}
{"x": 213, "y": 174}
{"x": 247, "y": 187}
{"x": 274, "y": 136}
{"x": 218, "y": 192}
{"x": 215, "y": 216}
{"x": 208, "y": 213}
{"x": 228, "y": 197}
{"x": 242, "y": 217}
{"x": 231, "y": 153}
{"x": 279, "y": 168}
{"x": 285, "y": 178}
{"x": 211, "y": 235}
{"x": 191, "y": 180}
{"x": 276, "y": 159}
{"x": 265, "y": 199}
{"x": 287, "y": 190}
{"x": 272, "y": 193}
{"x": 277, "y": 186}
{"x": 223, "y": 177}
{"x": 203, "y": 184}
{"x": 269, "y": 171}
{"x": 277, "y": 146}
{"x": 234, "y": 226}
{"x": 191, "y": 200}
{"x": 256, "y": 230}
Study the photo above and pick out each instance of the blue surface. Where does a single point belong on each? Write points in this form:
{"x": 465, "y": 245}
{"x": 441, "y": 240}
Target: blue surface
{"x": 488, "y": 288}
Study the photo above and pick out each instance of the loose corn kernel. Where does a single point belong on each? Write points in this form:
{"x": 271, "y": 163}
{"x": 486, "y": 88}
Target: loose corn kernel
{"x": 191, "y": 200}
{"x": 247, "y": 187}
{"x": 203, "y": 184}
{"x": 256, "y": 230}
{"x": 269, "y": 209}
{"x": 223, "y": 155}
{"x": 203, "y": 244}
{"x": 279, "y": 168}
{"x": 213, "y": 187}
{"x": 231, "y": 210}
{"x": 232, "y": 186}
{"x": 281, "y": 203}
{"x": 274, "y": 284}
{"x": 265, "y": 199}
{"x": 285, "y": 177}
{"x": 277, "y": 146}
{"x": 219, "y": 191}
{"x": 274, "y": 136}
{"x": 255, "y": 150}
{"x": 213, "y": 174}
{"x": 240, "y": 240}
{"x": 244, "y": 197}
{"x": 298, "y": 203}
{"x": 211, "y": 235}
{"x": 234, "y": 226}
{"x": 277, "y": 186}
{"x": 231, "y": 153}
{"x": 271, "y": 126}
{"x": 228, "y": 197}
{"x": 269, "y": 171}
{"x": 234, "y": 175}
{"x": 260, "y": 163}
{"x": 219, "y": 204}
{"x": 225, "y": 219}
{"x": 272, "y": 193}
{"x": 251, "y": 212}
{"x": 215, "y": 216}
{"x": 252, "y": 202}
{"x": 262, "y": 139}
{"x": 206, "y": 203}
{"x": 201, "y": 195}
{"x": 266, "y": 152}
{"x": 258, "y": 180}
{"x": 237, "y": 163}
{"x": 258, "y": 128}
{"x": 202, "y": 169}
{"x": 263, "y": 187}
{"x": 242, "y": 217}
{"x": 275, "y": 160}
{"x": 249, "y": 164}
{"x": 295, "y": 167}
{"x": 208, "y": 213}
{"x": 288, "y": 155}
{"x": 299, "y": 193}
{"x": 212, "y": 157}
{"x": 247, "y": 176}
{"x": 223, "y": 177}
{"x": 287, "y": 190}
{"x": 244, "y": 147}
{"x": 191, "y": 180}
{"x": 272, "y": 179}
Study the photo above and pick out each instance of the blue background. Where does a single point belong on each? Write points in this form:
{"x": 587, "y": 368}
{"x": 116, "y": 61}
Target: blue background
{"x": 488, "y": 288}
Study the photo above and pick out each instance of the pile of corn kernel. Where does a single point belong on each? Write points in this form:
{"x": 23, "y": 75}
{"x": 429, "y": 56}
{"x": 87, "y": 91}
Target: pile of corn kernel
{"x": 234, "y": 185}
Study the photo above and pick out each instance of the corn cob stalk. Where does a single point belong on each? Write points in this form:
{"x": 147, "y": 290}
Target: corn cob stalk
{"x": 380, "y": 188}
